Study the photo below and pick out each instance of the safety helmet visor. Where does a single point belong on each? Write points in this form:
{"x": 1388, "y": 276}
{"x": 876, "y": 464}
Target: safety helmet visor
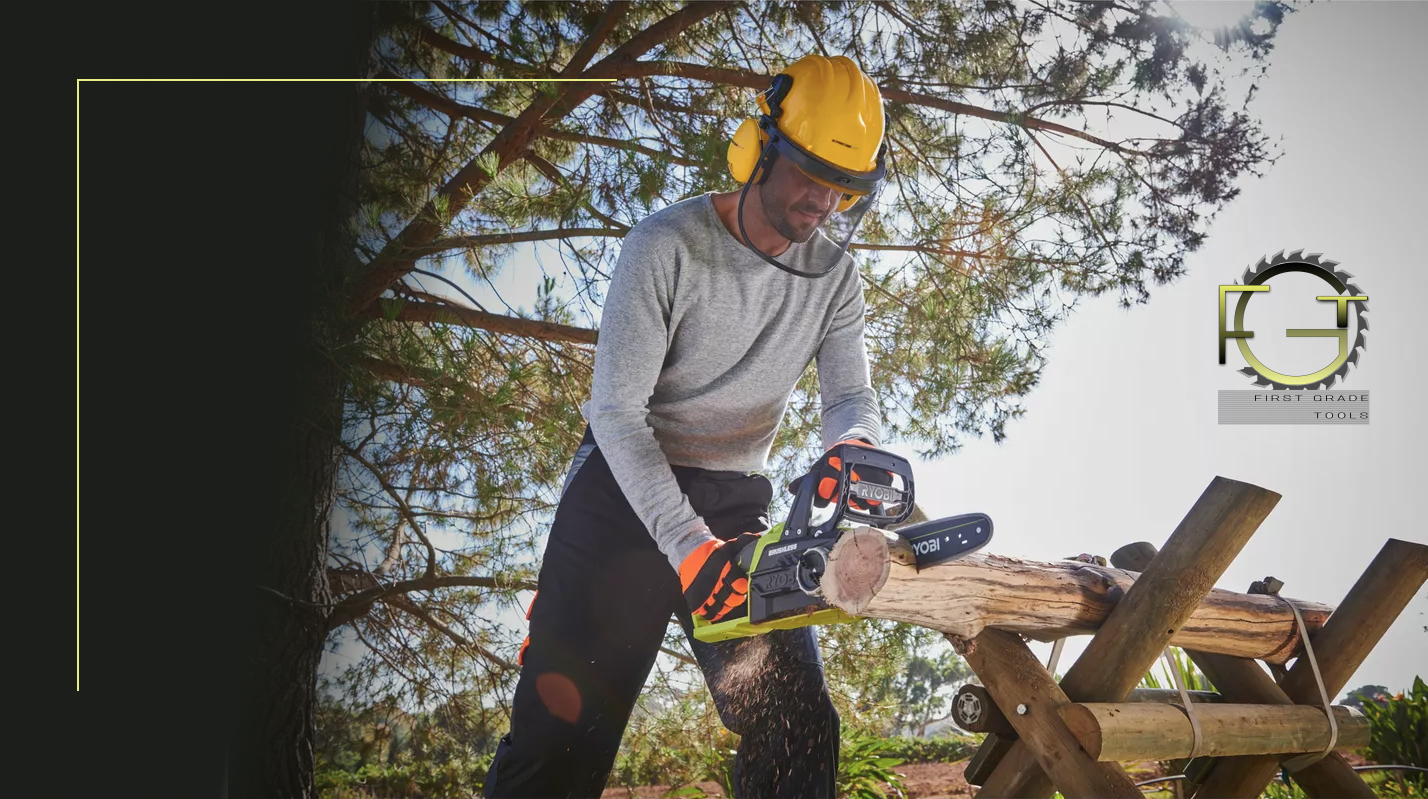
{"x": 827, "y": 173}
{"x": 839, "y": 227}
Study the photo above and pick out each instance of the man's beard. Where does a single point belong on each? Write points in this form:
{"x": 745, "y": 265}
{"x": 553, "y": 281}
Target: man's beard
{"x": 774, "y": 210}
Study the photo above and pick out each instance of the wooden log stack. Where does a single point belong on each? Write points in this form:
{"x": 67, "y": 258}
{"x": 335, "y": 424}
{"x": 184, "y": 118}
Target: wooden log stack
{"x": 1044, "y": 601}
{"x": 1045, "y": 735}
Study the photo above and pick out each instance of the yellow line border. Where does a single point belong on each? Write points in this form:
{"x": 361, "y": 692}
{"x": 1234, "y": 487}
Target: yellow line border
{"x": 76, "y": 387}
{"x": 77, "y": 82}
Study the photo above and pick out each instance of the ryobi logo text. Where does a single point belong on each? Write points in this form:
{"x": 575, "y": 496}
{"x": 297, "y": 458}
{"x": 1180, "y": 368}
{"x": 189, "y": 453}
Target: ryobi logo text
{"x": 927, "y": 545}
{"x": 875, "y": 492}
{"x": 1256, "y": 278}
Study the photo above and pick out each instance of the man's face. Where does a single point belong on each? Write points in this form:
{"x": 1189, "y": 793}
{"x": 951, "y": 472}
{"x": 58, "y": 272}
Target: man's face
{"x": 794, "y": 203}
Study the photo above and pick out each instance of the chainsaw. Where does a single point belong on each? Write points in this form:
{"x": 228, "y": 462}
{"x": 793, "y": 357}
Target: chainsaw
{"x": 786, "y": 565}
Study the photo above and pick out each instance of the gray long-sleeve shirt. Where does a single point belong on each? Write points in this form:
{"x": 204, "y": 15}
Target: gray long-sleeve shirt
{"x": 701, "y": 345}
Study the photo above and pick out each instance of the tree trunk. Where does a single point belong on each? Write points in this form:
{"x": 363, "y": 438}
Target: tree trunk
{"x": 271, "y": 754}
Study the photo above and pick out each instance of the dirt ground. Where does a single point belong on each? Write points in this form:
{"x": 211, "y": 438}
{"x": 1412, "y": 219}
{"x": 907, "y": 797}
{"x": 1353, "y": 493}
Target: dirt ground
{"x": 939, "y": 780}
{"x": 920, "y": 781}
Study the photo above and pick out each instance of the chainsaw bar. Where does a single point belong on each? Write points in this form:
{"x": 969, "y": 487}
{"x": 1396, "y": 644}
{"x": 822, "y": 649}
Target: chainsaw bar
{"x": 947, "y": 539}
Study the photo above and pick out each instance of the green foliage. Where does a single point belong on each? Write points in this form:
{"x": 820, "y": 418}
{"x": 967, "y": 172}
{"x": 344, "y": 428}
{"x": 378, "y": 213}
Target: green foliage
{"x": 1190, "y": 674}
{"x": 1277, "y": 789}
{"x": 408, "y": 780}
{"x": 864, "y": 767}
{"x": 1366, "y": 694}
{"x": 928, "y": 684}
{"x": 938, "y": 749}
{"x": 378, "y": 747}
{"x": 677, "y": 741}
{"x": 865, "y": 763}
{"x": 867, "y": 666}
{"x": 1399, "y": 732}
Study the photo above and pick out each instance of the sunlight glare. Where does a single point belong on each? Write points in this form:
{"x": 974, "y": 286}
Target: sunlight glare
{"x": 1211, "y": 15}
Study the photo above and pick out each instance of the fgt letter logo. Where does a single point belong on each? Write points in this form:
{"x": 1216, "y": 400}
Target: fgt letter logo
{"x": 1254, "y": 281}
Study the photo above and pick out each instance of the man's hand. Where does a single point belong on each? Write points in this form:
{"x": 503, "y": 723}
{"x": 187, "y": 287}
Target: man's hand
{"x": 715, "y": 585}
{"x": 830, "y": 467}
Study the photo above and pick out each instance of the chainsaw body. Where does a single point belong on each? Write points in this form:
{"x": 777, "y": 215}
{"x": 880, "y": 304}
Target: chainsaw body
{"x": 786, "y": 565}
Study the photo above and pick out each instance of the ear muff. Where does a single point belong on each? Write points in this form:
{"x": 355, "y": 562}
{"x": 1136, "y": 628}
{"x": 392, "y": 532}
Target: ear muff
{"x": 745, "y": 150}
{"x": 747, "y": 147}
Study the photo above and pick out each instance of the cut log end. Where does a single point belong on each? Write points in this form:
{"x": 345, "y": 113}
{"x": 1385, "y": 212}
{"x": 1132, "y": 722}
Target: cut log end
{"x": 858, "y": 567}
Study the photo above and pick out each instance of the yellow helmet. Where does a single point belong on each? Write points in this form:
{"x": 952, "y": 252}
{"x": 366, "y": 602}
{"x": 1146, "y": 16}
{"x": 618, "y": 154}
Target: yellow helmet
{"x": 825, "y": 116}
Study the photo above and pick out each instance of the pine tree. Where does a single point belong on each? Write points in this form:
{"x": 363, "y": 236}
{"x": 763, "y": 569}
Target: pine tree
{"x": 1038, "y": 153}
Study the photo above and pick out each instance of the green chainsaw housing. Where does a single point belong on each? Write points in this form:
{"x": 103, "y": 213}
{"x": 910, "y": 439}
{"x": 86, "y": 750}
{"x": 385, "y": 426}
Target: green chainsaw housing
{"x": 787, "y": 563}
{"x": 819, "y": 611}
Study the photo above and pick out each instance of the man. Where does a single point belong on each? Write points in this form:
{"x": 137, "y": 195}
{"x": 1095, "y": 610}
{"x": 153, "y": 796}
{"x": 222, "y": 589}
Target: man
{"x": 701, "y": 344}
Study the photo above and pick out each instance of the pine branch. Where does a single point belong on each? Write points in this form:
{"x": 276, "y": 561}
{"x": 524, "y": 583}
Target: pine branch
{"x": 932, "y": 250}
{"x": 395, "y": 260}
{"x": 358, "y": 604}
{"x": 753, "y": 80}
{"x": 680, "y": 656}
{"x": 411, "y": 608}
{"x": 511, "y": 68}
{"x": 492, "y": 239}
{"x": 613, "y": 14}
{"x": 451, "y": 108}
{"x": 402, "y": 507}
{"x": 409, "y": 311}
{"x": 554, "y": 175}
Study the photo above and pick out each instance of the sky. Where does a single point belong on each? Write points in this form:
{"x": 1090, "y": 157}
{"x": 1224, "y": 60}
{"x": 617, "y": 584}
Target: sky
{"x": 1121, "y": 436}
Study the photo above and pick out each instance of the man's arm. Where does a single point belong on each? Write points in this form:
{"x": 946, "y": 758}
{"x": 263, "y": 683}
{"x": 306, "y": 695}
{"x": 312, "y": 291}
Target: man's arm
{"x": 850, "y": 409}
{"x": 634, "y": 334}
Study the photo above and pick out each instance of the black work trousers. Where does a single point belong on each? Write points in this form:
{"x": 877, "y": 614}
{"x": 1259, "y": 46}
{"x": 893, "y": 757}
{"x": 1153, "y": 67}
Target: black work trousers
{"x": 605, "y": 597}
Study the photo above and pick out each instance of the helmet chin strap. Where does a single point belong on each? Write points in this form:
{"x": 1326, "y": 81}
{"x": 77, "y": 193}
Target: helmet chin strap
{"x": 765, "y": 159}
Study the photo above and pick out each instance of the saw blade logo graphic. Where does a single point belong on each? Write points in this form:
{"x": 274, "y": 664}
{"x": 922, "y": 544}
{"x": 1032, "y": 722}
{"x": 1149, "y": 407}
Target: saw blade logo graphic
{"x": 1323, "y": 268}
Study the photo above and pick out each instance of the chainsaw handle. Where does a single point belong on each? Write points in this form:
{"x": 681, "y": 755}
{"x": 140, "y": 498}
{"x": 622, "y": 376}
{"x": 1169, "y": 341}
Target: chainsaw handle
{"x": 746, "y": 557}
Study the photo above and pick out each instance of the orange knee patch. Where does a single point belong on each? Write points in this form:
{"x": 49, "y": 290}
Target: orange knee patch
{"x": 560, "y": 696}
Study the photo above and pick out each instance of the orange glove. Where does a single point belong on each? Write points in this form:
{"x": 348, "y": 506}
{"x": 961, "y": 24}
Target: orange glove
{"x": 715, "y": 585}
{"x": 830, "y": 467}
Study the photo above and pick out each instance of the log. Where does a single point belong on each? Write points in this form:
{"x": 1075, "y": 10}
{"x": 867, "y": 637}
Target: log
{"x": 1154, "y": 609}
{"x": 1018, "y": 680}
{"x": 1370, "y": 608}
{"x": 1153, "y": 731}
{"x": 1042, "y": 600}
{"x": 974, "y": 711}
{"x": 994, "y": 747}
{"x": 1374, "y": 602}
{"x": 1245, "y": 681}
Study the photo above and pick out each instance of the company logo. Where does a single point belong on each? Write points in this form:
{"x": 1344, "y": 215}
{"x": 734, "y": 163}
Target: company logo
{"x": 927, "y": 546}
{"x": 1256, "y": 279}
{"x": 875, "y": 492}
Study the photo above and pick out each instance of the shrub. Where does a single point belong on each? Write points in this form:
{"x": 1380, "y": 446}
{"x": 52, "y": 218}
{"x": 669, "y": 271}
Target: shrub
{"x": 941, "y": 749}
{"x": 412, "y": 780}
{"x": 1399, "y": 732}
{"x": 863, "y": 767}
